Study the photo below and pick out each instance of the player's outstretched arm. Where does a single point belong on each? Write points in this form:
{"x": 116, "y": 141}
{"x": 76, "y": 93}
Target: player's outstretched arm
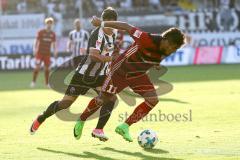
{"x": 36, "y": 44}
{"x": 69, "y": 45}
{"x": 55, "y": 49}
{"x": 112, "y": 24}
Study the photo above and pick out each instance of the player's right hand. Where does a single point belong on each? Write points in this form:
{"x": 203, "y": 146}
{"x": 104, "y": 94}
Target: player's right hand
{"x": 96, "y": 21}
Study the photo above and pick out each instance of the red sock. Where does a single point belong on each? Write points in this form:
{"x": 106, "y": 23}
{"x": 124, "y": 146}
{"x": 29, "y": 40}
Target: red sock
{"x": 140, "y": 111}
{"x": 46, "y": 76}
{"x": 91, "y": 108}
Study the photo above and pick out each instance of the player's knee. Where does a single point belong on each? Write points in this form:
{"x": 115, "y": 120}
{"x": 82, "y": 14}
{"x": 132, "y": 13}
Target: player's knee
{"x": 103, "y": 99}
{"x": 99, "y": 100}
{"x": 64, "y": 104}
{"x": 47, "y": 68}
{"x": 113, "y": 98}
{"x": 37, "y": 67}
{"x": 106, "y": 97}
{"x": 152, "y": 100}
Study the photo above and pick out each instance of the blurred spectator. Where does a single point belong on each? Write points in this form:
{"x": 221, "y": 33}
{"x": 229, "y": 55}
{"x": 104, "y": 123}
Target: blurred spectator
{"x": 22, "y": 7}
{"x": 187, "y": 5}
{"x": 126, "y": 4}
{"x": 140, "y": 3}
{"x": 226, "y": 19}
{"x": 200, "y": 5}
{"x": 88, "y": 8}
{"x": 62, "y": 7}
{"x": 59, "y": 23}
{"x": 226, "y": 16}
{"x": 57, "y": 15}
{"x": 155, "y": 4}
{"x": 224, "y": 4}
{"x": 4, "y": 5}
{"x": 70, "y": 9}
{"x": 211, "y": 5}
{"x": 77, "y": 6}
{"x": 44, "y": 3}
{"x": 112, "y": 3}
{"x": 99, "y": 4}
{"x": 172, "y": 7}
{"x": 50, "y": 7}
{"x": 237, "y": 5}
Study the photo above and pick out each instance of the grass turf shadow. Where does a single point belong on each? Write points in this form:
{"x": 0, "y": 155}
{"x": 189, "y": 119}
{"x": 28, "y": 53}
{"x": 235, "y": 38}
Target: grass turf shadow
{"x": 87, "y": 154}
{"x": 141, "y": 155}
{"x": 84, "y": 155}
{"x": 156, "y": 151}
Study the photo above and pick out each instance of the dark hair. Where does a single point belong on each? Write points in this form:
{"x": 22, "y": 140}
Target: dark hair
{"x": 174, "y": 36}
{"x": 109, "y": 13}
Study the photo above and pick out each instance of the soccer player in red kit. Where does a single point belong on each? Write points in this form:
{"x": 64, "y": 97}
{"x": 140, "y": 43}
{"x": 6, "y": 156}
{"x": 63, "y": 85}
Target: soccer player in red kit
{"x": 46, "y": 39}
{"x": 129, "y": 70}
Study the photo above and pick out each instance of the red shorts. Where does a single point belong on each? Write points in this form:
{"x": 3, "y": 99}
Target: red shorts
{"x": 116, "y": 82}
{"x": 43, "y": 58}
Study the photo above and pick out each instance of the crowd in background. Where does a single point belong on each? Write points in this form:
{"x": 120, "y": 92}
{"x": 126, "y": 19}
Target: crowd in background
{"x": 71, "y": 8}
{"x": 67, "y": 10}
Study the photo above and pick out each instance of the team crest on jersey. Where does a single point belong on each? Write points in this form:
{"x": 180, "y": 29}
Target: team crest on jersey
{"x": 72, "y": 90}
{"x": 98, "y": 43}
{"x": 137, "y": 34}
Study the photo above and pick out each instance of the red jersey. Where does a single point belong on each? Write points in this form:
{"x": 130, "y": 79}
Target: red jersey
{"x": 119, "y": 39}
{"x": 46, "y": 38}
{"x": 140, "y": 56}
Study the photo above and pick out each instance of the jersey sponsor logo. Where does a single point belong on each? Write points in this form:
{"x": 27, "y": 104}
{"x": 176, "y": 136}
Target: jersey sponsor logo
{"x": 47, "y": 39}
{"x": 98, "y": 43}
{"x": 137, "y": 34}
{"x": 72, "y": 90}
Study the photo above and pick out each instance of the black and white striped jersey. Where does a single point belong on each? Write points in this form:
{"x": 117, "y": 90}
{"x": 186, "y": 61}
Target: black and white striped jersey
{"x": 79, "y": 39}
{"x": 105, "y": 44}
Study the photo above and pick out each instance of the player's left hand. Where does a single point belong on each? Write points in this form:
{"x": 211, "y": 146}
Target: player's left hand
{"x": 96, "y": 21}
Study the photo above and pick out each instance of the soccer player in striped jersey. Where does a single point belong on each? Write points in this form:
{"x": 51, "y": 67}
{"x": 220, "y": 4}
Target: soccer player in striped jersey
{"x": 78, "y": 40}
{"x": 46, "y": 39}
{"x": 91, "y": 71}
{"x": 129, "y": 70}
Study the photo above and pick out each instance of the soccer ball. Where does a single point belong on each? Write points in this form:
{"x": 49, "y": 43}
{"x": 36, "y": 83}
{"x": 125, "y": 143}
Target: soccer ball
{"x": 147, "y": 139}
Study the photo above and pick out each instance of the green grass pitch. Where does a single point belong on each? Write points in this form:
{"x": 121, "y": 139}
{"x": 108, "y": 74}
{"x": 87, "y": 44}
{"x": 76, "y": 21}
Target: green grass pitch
{"x": 210, "y": 92}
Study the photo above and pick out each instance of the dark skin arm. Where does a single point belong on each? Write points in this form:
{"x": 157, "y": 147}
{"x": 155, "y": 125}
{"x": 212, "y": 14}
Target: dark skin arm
{"x": 97, "y": 57}
{"x": 116, "y": 25}
{"x": 112, "y": 24}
